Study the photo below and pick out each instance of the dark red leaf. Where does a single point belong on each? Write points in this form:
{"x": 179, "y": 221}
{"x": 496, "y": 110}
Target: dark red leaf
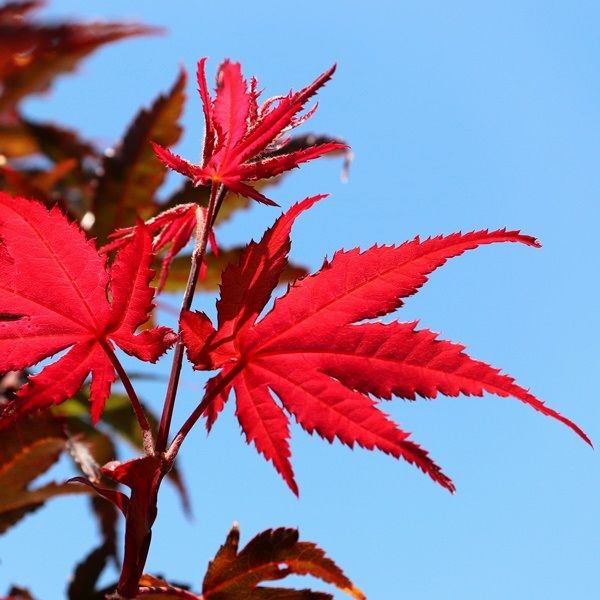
{"x": 82, "y": 585}
{"x": 18, "y": 593}
{"x": 270, "y": 556}
{"x": 131, "y": 174}
{"x": 33, "y": 54}
{"x": 28, "y": 450}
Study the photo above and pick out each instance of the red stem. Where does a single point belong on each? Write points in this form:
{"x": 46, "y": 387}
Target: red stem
{"x": 198, "y": 411}
{"x": 217, "y": 192}
{"x": 135, "y": 401}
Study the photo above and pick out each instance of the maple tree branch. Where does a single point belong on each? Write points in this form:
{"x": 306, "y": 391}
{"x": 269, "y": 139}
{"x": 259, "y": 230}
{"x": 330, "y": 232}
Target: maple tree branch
{"x": 147, "y": 437}
{"x": 217, "y": 193}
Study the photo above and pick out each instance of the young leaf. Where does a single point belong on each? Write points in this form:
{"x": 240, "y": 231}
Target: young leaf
{"x": 27, "y": 451}
{"x": 238, "y": 132}
{"x": 188, "y": 193}
{"x": 171, "y": 229}
{"x": 270, "y": 556}
{"x": 132, "y": 174}
{"x": 53, "y": 297}
{"x": 314, "y": 355}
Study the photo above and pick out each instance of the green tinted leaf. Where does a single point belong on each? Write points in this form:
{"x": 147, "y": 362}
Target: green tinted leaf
{"x": 215, "y": 265}
{"x": 16, "y": 141}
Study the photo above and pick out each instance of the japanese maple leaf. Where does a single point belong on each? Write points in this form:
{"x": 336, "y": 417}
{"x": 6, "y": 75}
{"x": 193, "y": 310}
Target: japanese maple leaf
{"x": 239, "y": 133}
{"x": 54, "y": 295}
{"x": 314, "y": 353}
{"x": 171, "y": 229}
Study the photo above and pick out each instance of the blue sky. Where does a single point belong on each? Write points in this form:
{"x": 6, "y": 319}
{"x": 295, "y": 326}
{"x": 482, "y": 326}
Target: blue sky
{"x": 461, "y": 116}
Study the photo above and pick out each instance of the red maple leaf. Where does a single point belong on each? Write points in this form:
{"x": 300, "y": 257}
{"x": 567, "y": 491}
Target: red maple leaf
{"x": 54, "y": 290}
{"x": 313, "y": 352}
{"x": 172, "y": 228}
{"x": 239, "y": 133}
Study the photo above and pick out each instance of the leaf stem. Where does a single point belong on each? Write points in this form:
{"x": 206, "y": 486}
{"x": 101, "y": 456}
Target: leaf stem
{"x": 198, "y": 412}
{"x": 135, "y": 401}
{"x": 217, "y": 193}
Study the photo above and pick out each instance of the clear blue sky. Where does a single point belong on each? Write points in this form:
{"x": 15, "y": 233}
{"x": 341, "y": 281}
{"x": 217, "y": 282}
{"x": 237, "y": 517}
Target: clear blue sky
{"x": 461, "y": 115}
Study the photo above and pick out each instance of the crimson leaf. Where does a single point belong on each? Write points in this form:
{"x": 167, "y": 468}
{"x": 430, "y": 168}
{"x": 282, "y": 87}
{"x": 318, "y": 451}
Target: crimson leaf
{"x": 314, "y": 355}
{"x": 53, "y": 296}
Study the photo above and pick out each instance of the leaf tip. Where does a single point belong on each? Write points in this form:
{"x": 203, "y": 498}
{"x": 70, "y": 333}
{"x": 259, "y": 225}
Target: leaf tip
{"x": 354, "y": 592}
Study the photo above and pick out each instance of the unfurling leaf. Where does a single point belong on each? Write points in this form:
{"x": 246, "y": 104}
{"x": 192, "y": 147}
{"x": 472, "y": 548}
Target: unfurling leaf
{"x": 171, "y": 230}
{"x": 270, "y": 556}
{"x": 239, "y": 131}
{"x": 187, "y": 193}
{"x": 54, "y": 287}
{"x": 313, "y": 352}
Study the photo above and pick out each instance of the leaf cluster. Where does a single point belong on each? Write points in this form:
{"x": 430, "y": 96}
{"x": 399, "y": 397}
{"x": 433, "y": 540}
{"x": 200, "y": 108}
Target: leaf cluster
{"x": 89, "y": 240}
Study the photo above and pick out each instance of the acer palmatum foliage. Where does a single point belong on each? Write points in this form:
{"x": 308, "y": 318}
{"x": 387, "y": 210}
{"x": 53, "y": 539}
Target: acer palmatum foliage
{"x": 311, "y": 352}
{"x": 53, "y": 296}
{"x": 240, "y": 134}
{"x": 321, "y": 354}
{"x": 170, "y": 230}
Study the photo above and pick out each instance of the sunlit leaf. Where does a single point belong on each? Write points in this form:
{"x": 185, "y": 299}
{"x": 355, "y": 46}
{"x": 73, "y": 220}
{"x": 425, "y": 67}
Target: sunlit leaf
{"x": 270, "y": 556}
{"x": 319, "y": 352}
{"x": 187, "y": 193}
{"x": 58, "y": 301}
